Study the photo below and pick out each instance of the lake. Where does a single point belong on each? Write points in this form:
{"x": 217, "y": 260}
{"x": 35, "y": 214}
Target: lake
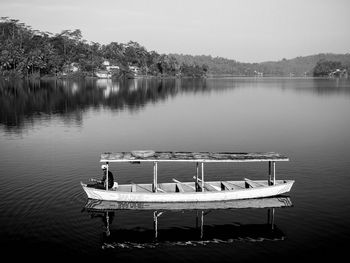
{"x": 53, "y": 132}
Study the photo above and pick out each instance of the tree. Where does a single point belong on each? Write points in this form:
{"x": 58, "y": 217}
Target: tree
{"x": 325, "y": 67}
{"x": 26, "y": 51}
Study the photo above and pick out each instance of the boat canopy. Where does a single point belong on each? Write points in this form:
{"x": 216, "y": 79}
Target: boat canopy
{"x": 202, "y": 157}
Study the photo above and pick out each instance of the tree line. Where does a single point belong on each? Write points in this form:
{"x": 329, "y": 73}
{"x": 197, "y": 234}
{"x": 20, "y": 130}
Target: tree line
{"x": 330, "y": 68}
{"x": 314, "y": 65}
{"x": 25, "y": 52}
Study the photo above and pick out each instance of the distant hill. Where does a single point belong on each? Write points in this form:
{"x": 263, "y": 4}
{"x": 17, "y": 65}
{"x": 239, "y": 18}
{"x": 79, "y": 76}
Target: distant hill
{"x": 299, "y": 66}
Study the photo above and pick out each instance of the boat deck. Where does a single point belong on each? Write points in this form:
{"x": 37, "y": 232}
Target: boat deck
{"x": 190, "y": 187}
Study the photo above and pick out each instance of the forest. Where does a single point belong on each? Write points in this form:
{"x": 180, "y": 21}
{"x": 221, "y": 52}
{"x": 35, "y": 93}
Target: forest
{"x": 26, "y": 52}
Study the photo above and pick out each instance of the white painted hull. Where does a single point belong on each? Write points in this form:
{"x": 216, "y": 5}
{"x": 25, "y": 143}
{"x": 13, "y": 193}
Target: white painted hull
{"x": 172, "y": 197}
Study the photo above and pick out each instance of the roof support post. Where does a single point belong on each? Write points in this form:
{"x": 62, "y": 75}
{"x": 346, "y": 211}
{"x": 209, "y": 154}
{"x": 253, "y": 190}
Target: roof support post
{"x": 202, "y": 177}
{"x": 269, "y": 179}
{"x": 155, "y": 175}
{"x": 106, "y": 182}
{"x": 274, "y": 173}
{"x": 197, "y": 173}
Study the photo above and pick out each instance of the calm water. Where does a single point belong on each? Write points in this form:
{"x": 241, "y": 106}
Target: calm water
{"x": 52, "y": 134}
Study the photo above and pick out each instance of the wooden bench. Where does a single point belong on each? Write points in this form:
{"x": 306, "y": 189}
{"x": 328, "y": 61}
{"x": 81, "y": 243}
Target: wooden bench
{"x": 231, "y": 186}
{"x": 226, "y": 186}
{"x": 133, "y": 188}
{"x": 179, "y": 188}
{"x": 252, "y": 184}
{"x": 209, "y": 187}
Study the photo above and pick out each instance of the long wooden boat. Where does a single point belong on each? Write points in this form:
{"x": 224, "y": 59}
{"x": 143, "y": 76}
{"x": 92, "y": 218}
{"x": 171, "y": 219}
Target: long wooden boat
{"x": 194, "y": 191}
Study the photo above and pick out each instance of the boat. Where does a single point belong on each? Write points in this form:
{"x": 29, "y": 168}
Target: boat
{"x": 196, "y": 190}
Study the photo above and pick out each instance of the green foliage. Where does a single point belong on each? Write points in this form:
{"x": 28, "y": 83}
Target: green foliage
{"x": 25, "y": 52}
{"x": 326, "y": 67}
{"x": 300, "y": 66}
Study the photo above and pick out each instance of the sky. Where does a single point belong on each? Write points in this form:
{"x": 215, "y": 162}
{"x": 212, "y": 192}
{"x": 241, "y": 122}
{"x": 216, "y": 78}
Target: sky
{"x": 244, "y": 30}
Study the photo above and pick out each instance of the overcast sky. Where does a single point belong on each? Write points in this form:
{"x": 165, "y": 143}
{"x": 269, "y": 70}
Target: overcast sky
{"x": 244, "y": 30}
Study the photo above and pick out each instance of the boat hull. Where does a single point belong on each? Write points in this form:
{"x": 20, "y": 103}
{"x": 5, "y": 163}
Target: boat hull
{"x": 188, "y": 197}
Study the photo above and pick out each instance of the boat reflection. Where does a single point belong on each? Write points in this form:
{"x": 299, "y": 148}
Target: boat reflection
{"x": 273, "y": 202}
{"x": 122, "y": 236}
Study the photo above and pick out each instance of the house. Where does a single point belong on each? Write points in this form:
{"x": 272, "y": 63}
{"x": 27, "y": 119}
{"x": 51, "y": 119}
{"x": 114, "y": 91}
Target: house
{"x": 106, "y": 63}
{"x": 134, "y": 69}
{"x": 74, "y": 67}
{"x": 342, "y": 73}
{"x": 103, "y": 74}
{"x": 108, "y": 72}
{"x": 71, "y": 68}
{"x": 258, "y": 74}
{"x": 110, "y": 67}
{"x": 113, "y": 67}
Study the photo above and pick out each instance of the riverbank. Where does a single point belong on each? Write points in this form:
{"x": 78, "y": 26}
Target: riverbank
{"x": 81, "y": 75}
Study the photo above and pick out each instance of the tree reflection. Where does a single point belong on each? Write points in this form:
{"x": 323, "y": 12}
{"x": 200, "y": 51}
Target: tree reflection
{"x": 24, "y": 102}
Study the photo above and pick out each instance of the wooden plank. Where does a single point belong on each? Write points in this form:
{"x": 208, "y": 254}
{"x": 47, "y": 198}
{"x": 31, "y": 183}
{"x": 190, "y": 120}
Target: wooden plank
{"x": 179, "y": 188}
{"x": 133, "y": 188}
{"x": 226, "y": 186}
{"x": 252, "y": 183}
{"x": 202, "y": 180}
{"x": 160, "y": 190}
{"x": 144, "y": 188}
{"x": 233, "y": 185}
{"x": 210, "y": 187}
{"x": 184, "y": 184}
{"x": 194, "y": 157}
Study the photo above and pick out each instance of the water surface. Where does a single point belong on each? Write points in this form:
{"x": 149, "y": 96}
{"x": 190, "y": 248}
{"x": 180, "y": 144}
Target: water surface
{"x": 52, "y": 134}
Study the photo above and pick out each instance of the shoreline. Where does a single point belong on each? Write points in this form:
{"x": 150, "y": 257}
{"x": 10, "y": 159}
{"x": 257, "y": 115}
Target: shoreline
{"x": 165, "y": 77}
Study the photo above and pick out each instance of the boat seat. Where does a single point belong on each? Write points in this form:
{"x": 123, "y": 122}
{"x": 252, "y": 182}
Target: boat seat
{"x": 160, "y": 190}
{"x": 232, "y": 186}
{"x": 133, "y": 188}
{"x": 179, "y": 188}
{"x": 226, "y": 186}
{"x": 209, "y": 187}
{"x": 251, "y": 184}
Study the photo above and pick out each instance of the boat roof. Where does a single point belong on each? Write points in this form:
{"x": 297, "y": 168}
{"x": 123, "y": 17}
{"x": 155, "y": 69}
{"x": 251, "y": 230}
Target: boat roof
{"x": 160, "y": 156}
